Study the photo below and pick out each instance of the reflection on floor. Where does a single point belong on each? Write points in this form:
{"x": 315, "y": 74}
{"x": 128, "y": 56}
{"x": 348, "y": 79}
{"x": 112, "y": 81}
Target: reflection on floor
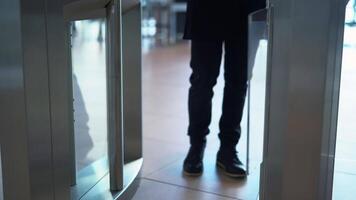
{"x": 345, "y": 164}
{"x": 165, "y": 88}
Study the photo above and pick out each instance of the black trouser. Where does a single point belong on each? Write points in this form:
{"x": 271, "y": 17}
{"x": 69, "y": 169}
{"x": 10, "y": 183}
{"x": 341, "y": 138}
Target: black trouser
{"x": 205, "y": 62}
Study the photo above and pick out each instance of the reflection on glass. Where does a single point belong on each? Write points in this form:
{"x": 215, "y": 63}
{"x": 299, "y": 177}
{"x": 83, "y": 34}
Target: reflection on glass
{"x": 1, "y": 187}
{"x": 89, "y": 91}
{"x": 90, "y": 101}
{"x": 345, "y": 161}
{"x": 257, "y": 86}
{"x": 257, "y": 104}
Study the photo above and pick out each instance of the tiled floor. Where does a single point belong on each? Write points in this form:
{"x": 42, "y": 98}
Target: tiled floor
{"x": 156, "y": 190}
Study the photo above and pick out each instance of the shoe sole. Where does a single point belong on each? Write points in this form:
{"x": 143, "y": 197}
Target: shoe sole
{"x": 192, "y": 174}
{"x": 223, "y": 168}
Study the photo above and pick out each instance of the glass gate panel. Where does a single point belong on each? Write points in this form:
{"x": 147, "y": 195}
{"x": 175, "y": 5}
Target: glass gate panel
{"x": 89, "y": 91}
{"x": 257, "y": 63}
{"x": 106, "y": 142}
{"x": 89, "y": 72}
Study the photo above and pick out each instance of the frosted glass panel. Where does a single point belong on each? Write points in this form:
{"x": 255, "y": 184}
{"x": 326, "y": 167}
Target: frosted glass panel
{"x": 257, "y": 86}
{"x": 88, "y": 53}
{"x": 89, "y": 91}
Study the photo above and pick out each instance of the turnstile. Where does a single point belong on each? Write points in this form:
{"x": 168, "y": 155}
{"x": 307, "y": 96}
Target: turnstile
{"x": 37, "y": 136}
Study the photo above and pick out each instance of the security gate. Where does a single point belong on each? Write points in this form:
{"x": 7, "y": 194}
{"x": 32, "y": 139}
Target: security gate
{"x": 37, "y": 97}
{"x": 36, "y": 78}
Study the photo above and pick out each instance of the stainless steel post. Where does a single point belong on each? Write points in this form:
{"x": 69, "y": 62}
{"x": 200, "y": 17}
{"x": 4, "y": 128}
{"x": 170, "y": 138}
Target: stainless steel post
{"x": 115, "y": 95}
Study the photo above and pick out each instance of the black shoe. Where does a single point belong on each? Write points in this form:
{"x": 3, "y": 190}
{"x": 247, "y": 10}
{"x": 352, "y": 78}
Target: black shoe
{"x": 229, "y": 162}
{"x": 193, "y": 163}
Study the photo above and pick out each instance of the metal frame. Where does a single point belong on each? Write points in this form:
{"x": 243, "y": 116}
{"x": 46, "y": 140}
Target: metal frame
{"x": 115, "y": 97}
{"x": 31, "y": 118}
{"x": 12, "y": 91}
{"x": 304, "y": 64}
{"x": 61, "y": 121}
{"x": 73, "y": 165}
{"x": 132, "y": 87}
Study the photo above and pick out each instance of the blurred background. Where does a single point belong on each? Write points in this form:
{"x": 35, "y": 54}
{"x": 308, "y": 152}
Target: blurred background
{"x": 163, "y": 21}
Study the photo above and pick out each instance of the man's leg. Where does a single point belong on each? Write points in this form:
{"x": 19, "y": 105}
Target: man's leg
{"x": 205, "y": 64}
{"x": 234, "y": 93}
{"x": 233, "y": 105}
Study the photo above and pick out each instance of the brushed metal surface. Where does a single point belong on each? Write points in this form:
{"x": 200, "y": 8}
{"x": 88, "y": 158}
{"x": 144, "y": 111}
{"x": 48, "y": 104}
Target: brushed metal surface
{"x": 35, "y": 58}
{"x": 13, "y": 124}
{"x": 80, "y": 5}
{"x": 28, "y": 150}
{"x": 132, "y": 89}
{"x": 59, "y": 75}
{"x": 86, "y": 9}
{"x": 128, "y": 5}
{"x": 115, "y": 95}
{"x": 303, "y": 82}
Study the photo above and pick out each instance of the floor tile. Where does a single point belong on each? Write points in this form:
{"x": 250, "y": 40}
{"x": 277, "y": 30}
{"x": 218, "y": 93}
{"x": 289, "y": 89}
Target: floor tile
{"x": 151, "y": 190}
{"x": 212, "y": 180}
{"x": 158, "y": 154}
